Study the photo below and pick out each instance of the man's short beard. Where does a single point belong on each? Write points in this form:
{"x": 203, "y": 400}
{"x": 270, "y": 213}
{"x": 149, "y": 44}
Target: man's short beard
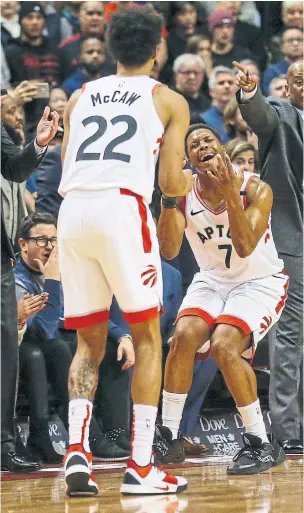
{"x": 31, "y": 38}
{"x": 15, "y": 137}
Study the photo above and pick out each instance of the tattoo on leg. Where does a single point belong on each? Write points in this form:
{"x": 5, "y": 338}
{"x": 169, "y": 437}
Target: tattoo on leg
{"x": 83, "y": 378}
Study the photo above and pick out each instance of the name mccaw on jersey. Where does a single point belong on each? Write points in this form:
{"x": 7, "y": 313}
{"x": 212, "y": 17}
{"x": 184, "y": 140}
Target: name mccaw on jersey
{"x": 127, "y": 98}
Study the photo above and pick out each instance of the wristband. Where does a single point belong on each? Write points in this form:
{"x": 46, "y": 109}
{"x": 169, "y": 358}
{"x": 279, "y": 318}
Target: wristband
{"x": 168, "y": 202}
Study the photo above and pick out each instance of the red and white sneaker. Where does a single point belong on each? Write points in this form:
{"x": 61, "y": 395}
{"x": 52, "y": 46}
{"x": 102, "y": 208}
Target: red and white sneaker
{"x": 79, "y": 479}
{"x": 150, "y": 480}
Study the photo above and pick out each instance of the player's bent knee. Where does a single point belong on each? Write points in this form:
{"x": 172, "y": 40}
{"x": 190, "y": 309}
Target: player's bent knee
{"x": 223, "y": 350}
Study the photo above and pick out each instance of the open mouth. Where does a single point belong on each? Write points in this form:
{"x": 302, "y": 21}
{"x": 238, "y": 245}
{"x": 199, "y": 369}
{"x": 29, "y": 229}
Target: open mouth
{"x": 207, "y": 157}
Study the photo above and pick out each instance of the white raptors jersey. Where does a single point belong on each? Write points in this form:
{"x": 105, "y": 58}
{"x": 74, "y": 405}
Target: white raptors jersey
{"x": 209, "y": 236}
{"x": 114, "y": 140}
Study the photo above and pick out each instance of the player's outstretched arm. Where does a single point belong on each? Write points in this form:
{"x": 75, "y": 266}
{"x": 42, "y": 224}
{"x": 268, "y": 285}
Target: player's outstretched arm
{"x": 173, "y": 181}
{"x": 66, "y": 121}
{"x": 170, "y": 230}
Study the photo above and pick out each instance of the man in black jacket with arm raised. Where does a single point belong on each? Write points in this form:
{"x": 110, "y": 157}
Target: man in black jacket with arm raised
{"x": 16, "y": 166}
{"x": 279, "y": 127}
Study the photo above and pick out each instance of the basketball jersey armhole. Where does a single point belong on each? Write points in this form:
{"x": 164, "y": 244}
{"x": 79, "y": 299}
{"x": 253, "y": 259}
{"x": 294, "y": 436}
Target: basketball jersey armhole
{"x": 156, "y": 86}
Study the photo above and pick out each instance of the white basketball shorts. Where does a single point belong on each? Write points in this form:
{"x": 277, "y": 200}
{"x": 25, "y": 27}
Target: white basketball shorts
{"x": 254, "y": 306}
{"x": 108, "y": 245}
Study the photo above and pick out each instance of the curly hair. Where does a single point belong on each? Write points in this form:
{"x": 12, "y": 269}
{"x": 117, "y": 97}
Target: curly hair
{"x": 134, "y": 34}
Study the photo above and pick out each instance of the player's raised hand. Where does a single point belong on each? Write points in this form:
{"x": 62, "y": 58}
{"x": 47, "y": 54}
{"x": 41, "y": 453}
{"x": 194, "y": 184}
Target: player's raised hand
{"x": 223, "y": 175}
{"x": 244, "y": 80}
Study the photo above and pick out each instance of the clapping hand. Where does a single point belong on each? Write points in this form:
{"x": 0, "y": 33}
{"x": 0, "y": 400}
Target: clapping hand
{"x": 30, "y": 304}
{"x": 245, "y": 80}
{"x": 46, "y": 128}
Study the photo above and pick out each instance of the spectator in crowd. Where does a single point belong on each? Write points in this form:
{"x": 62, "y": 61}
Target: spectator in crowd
{"x": 184, "y": 26}
{"x": 189, "y": 72}
{"x": 279, "y": 126}
{"x": 252, "y": 67}
{"x": 291, "y": 17}
{"x": 58, "y": 101}
{"x": 57, "y": 26}
{"x": 277, "y": 86}
{"x": 246, "y": 35}
{"x": 70, "y": 12}
{"x": 242, "y": 155}
{"x": 33, "y": 57}
{"x": 15, "y": 166}
{"x": 222, "y": 90}
{"x": 91, "y": 61}
{"x": 92, "y": 21}
{"x": 200, "y": 44}
{"x": 42, "y": 356}
{"x": 235, "y": 125}
{"x": 223, "y": 49}
{"x": 292, "y": 50}
{"x": 9, "y": 22}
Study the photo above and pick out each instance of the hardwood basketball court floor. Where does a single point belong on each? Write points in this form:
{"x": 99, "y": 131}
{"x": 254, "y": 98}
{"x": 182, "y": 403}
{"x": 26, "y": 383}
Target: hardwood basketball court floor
{"x": 210, "y": 490}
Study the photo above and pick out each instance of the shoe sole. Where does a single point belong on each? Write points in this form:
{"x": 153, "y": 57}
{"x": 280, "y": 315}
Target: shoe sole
{"x": 282, "y": 458}
{"x": 124, "y": 458}
{"x": 77, "y": 485}
{"x": 127, "y": 489}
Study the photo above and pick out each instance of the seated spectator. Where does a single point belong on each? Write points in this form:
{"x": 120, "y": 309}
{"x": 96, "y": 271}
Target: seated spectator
{"x": 292, "y": 17}
{"x": 252, "y": 68}
{"x": 42, "y": 357}
{"x": 277, "y": 87}
{"x": 222, "y": 89}
{"x": 33, "y": 57}
{"x": 92, "y": 21}
{"x": 189, "y": 75}
{"x": 246, "y": 35}
{"x": 236, "y": 126}
{"x": 243, "y": 155}
{"x": 223, "y": 50}
{"x": 200, "y": 44}
{"x": 91, "y": 63}
{"x": 184, "y": 26}
{"x": 9, "y": 22}
{"x": 58, "y": 101}
{"x": 292, "y": 51}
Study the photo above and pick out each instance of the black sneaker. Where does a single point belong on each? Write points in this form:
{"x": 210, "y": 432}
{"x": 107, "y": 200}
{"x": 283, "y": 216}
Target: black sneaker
{"x": 256, "y": 456}
{"x": 119, "y": 437}
{"x": 167, "y": 450}
{"x": 106, "y": 450}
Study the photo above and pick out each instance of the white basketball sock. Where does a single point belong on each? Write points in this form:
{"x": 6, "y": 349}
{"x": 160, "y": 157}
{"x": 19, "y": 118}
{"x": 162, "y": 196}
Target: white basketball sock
{"x": 143, "y": 428}
{"x": 253, "y": 420}
{"x": 80, "y": 413}
{"x": 173, "y": 405}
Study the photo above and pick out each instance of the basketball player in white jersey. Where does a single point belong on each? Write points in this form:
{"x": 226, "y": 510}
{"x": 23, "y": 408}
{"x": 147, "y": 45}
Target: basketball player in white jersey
{"x": 233, "y": 301}
{"x": 114, "y": 131}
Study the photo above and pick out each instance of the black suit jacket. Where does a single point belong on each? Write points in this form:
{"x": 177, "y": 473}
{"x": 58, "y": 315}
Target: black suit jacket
{"x": 279, "y": 127}
{"x": 16, "y": 166}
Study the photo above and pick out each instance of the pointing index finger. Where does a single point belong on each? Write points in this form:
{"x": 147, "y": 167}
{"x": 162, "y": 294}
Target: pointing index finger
{"x": 239, "y": 66}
